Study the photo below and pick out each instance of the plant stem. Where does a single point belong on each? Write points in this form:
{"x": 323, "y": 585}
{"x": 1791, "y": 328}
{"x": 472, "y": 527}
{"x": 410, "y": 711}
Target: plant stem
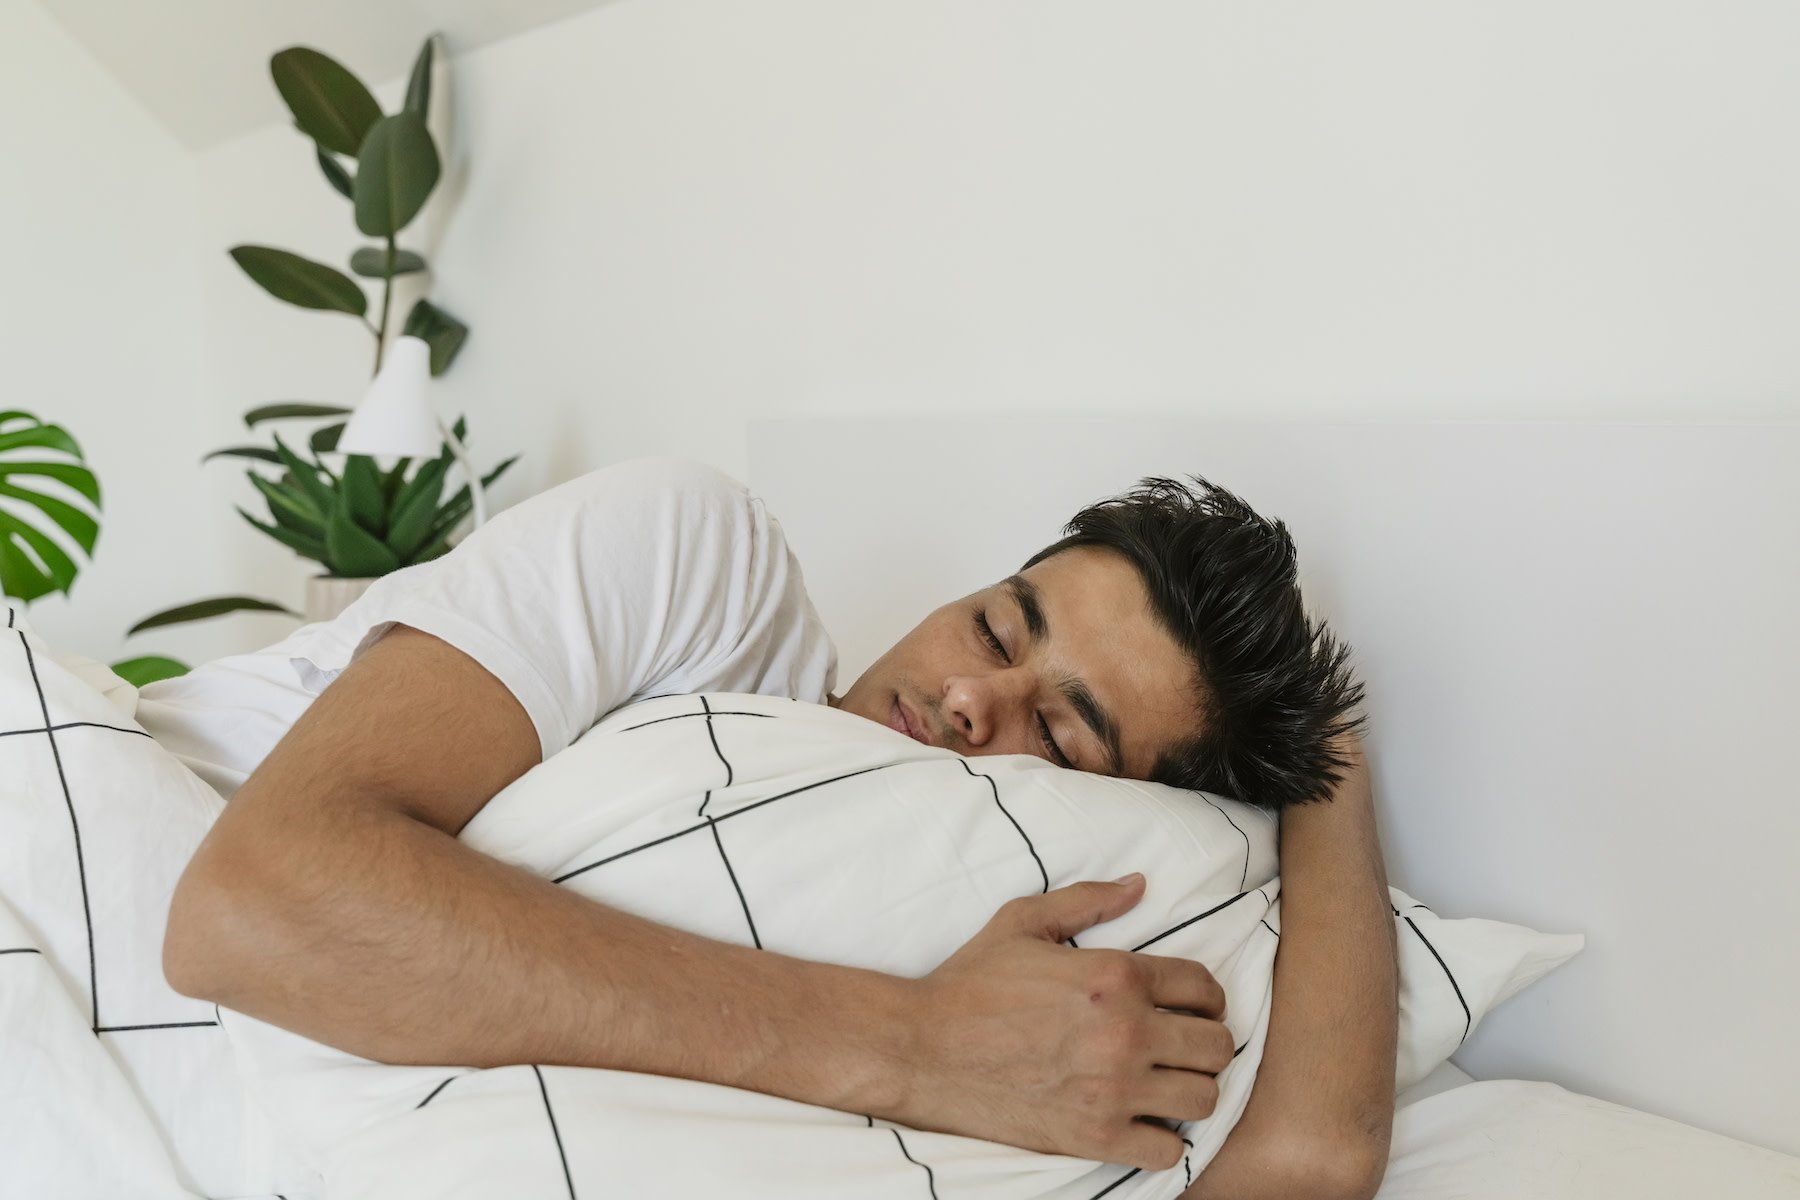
{"x": 387, "y": 299}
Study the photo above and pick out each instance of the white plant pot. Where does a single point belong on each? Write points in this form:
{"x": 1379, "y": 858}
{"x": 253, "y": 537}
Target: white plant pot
{"x": 327, "y": 595}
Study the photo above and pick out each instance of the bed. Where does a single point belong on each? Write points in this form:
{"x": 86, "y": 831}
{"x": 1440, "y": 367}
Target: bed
{"x": 152, "y": 1094}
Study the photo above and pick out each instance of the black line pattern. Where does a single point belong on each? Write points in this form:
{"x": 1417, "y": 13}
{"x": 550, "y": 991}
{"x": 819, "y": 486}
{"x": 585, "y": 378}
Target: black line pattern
{"x": 1243, "y": 880}
{"x": 161, "y": 1025}
{"x": 1187, "y": 1167}
{"x": 432, "y": 1095}
{"x": 712, "y": 735}
{"x": 1183, "y": 925}
{"x": 735, "y": 885}
{"x": 930, "y": 1179}
{"x": 995, "y": 788}
{"x": 22, "y": 950}
{"x": 1115, "y": 1183}
{"x": 87, "y": 911}
{"x": 736, "y": 812}
{"x": 75, "y": 725}
{"x": 554, "y": 1131}
{"x": 686, "y": 716}
{"x": 1268, "y": 927}
{"x": 1468, "y": 1018}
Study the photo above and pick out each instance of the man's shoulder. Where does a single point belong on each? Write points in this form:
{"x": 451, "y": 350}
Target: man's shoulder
{"x": 641, "y": 486}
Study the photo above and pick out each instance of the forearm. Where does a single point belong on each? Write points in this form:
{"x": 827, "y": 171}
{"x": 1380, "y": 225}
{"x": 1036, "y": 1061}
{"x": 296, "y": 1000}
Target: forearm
{"x": 332, "y": 898}
{"x": 389, "y": 939}
{"x": 1319, "y": 1118}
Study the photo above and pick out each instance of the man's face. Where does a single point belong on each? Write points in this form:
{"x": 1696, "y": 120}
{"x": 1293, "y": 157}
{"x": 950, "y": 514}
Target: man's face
{"x": 1064, "y": 660}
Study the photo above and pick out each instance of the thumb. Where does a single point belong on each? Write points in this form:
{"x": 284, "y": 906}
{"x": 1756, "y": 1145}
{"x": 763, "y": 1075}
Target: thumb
{"x": 1059, "y": 915}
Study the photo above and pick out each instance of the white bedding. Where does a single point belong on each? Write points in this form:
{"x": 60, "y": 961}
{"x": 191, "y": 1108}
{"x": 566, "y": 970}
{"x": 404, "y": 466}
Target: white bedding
{"x": 763, "y": 821}
{"x": 1508, "y": 1139}
{"x": 811, "y": 832}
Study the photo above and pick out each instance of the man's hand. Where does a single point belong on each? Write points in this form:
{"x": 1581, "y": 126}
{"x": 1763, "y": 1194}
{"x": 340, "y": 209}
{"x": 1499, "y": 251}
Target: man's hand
{"x": 1027, "y": 1041}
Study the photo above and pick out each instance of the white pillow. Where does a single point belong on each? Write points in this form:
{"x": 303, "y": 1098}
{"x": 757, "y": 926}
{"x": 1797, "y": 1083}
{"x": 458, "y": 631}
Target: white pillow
{"x": 812, "y": 832}
{"x": 1507, "y": 1140}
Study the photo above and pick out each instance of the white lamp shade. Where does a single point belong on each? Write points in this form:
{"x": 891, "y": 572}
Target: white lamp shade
{"x": 395, "y": 417}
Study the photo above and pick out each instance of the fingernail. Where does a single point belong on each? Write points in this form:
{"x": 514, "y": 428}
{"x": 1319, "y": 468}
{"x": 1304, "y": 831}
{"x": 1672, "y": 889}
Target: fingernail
{"x": 1134, "y": 877}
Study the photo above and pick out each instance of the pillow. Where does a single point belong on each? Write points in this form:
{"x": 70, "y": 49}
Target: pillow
{"x": 805, "y": 830}
{"x": 1506, "y": 1139}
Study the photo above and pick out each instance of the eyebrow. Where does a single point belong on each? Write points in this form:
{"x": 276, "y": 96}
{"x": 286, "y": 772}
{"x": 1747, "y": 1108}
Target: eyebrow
{"x": 1073, "y": 689}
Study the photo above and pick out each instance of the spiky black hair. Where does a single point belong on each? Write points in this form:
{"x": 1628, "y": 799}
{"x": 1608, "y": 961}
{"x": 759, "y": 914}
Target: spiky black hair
{"x": 1274, "y": 689}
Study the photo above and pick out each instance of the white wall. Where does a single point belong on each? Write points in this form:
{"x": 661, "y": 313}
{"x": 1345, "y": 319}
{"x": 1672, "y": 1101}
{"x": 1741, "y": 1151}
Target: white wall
{"x": 679, "y": 216}
{"x": 100, "y": 327}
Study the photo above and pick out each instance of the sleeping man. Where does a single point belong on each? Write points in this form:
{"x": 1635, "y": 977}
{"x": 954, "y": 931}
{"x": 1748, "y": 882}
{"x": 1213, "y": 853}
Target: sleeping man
{"x": 1162, "y": 639}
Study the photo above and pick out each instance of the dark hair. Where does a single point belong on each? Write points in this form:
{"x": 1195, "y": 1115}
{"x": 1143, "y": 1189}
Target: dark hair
{"x": 1275, "y": 691}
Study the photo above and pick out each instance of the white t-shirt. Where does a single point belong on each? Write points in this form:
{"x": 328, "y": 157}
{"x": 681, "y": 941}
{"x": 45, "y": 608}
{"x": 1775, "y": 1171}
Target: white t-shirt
{"x": 649, "y": 578}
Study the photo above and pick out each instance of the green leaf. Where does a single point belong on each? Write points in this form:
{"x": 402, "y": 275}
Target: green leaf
{"x": 340, "y": 179}
{"x": 201, "y": 610}
{"x": 415, "y": 510}
{"x": 330, "y": 105}
{"x": 313, "y": 548}
{"x": 148, "y": 669}
{"x": 291, "y": 408}
{"x": 32, "y": 563}
{"x": 418, "y": 87}
{"x": 452, "y": 514}
{"x": 323, "y": 440}
{"x": 322, "y": 494}
{"x": 439, "y": 330}
{"x": 371, "y": 262}
{"x": 362, "y": 495}
{"x": 392, "y": 482}
{"x": 300, "y": 280}
{"x": 290, "y": 506}
{"x": 355, "y": 553}
{"x": 20, "y": 575}
{"x": 71, "y": 475}
{"x": 48, "y": 561}
{"x": 398, "y": 167}
{"x": 261, "y": 453}
{"x": 42, "y": 437}
{"x": 71, "y": 520}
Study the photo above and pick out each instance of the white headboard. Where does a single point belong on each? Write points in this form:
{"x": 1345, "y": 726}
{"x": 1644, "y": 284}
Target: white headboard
{"x": 1582, "y": 647}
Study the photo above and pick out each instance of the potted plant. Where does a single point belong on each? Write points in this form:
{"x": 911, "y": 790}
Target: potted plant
{"x": 358, "y": 520}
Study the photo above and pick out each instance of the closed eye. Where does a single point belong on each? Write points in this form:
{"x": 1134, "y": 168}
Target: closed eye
{"x": 1050, "y": 746}
{"x": 987, "y": 635}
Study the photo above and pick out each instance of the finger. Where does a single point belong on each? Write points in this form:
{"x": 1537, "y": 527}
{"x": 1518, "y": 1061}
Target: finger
{"x": 1147, "y": 1145}
{"x": 1059, "y": 915}
{"x": 1190, "y": 1043}
{"x": 1180, "y": 983}
{"x": 1179, "y": 1095}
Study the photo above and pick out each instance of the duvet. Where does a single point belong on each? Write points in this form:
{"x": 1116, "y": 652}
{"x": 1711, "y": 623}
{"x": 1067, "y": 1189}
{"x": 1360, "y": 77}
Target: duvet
{"x": 790, "y": 827}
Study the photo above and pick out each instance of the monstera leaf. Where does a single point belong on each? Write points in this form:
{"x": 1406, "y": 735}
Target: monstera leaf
{"x": 32, "y": 562}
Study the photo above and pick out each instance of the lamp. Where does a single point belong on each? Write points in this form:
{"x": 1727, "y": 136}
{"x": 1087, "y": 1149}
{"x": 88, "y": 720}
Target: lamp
{"x": 395, "y": 417}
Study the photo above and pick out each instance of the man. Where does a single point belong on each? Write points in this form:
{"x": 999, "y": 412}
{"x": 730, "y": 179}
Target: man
{"x": 1163, "y": 639}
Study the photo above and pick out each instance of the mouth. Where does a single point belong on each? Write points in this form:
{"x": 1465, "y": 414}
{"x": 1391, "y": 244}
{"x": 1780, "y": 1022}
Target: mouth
{"x": 903, "y": 720}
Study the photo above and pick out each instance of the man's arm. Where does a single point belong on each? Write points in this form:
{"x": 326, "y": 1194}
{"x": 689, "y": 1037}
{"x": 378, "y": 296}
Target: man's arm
{"x": 1319, "y": 1118}
{"x": 332, "y": 898}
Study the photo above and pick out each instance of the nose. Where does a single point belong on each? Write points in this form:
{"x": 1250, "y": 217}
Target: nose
{"x": 980, "y": 707}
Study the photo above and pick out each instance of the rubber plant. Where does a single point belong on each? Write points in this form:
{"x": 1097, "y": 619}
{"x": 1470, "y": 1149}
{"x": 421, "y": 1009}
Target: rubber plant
{"x": 357, "y": 520}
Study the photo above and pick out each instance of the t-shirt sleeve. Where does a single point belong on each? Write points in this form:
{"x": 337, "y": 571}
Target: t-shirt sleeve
{"x": 654, "y": 576}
